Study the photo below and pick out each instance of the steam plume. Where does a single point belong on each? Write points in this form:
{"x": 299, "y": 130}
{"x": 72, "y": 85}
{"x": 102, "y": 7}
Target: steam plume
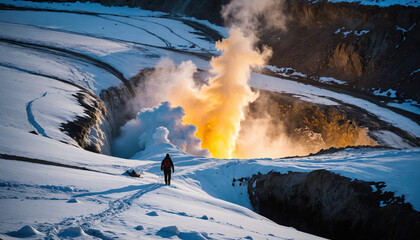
{"x": 161, "y": 124}
{"x": 215, "y": 109}
{"x": 255, "y": 141}
{"x": 218, "y": 108}
{"x": 253, "y": 16}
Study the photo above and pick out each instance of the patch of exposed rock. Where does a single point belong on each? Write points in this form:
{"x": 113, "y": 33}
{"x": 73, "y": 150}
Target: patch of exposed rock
{"x": 103, "y": 116}
{"x": 90, "y": 131}
{"x": 329, "y": 205}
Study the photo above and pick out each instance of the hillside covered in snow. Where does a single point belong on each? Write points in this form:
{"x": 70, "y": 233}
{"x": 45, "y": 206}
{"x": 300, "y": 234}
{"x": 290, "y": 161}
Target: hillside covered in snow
{"x": 86, "y": 98}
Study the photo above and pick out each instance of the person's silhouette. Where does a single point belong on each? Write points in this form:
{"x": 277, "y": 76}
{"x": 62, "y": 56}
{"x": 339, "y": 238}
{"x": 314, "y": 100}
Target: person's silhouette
{"x": 166, "y": 167}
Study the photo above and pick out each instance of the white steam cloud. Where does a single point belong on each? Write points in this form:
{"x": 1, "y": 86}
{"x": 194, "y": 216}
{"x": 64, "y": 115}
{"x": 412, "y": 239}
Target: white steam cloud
{"x": 255, "y": 141}
{"x": 216, "y": 108}
{"x": 161, "y": 135}
{"x": 158, "y": 125}
{"x": 253, "y": 16}
{"x": 165, "y": 80}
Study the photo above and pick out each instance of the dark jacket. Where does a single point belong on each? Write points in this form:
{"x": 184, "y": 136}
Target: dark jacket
{"x": 171, "y": 164}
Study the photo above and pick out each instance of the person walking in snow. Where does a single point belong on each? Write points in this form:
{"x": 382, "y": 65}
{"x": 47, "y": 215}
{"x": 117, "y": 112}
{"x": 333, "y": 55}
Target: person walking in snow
{"x": 166, "y": 167}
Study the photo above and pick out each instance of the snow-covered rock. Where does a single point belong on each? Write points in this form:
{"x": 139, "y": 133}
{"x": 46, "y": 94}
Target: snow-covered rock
{"x": 25, "y": 232}
{"x": 72, "y": 232}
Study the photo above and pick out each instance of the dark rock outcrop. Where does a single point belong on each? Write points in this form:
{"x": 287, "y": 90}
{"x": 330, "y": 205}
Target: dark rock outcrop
{"x": 118, "y": 103}
{"x": 80, "y": 129}
{"x": 103, "y": 117}
{"x": 333, "y": 206}
{"x": 132, "y": 173}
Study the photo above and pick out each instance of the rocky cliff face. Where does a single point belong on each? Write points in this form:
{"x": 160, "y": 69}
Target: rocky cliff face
{"x": 104, "y": 115}
{"x": 367, "y": 46}
{"x": 91, "y": 131}
{"x": 336, "y": 207}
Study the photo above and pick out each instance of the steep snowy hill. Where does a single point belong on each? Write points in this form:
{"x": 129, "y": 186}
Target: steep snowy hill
{"x": 57, "y": 63}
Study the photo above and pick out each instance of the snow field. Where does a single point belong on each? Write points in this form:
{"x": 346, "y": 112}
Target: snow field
{"x": 40, "y": 107}
{"x": 196, "y": 201}
{"x": 151, "y": 31}
{"x": 407, "y": 105}
{"x": 14, "y": 140}
{"x": 100, "y": 9}
{"x": 116, "y": 202}
{"x": 70, "y": 41}
{"x": 63, "y": 67}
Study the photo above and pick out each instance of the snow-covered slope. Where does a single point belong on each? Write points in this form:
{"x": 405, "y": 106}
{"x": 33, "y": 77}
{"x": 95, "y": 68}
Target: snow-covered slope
{"x": 201, "y": 202}
{"x": 104, "y": 202}
{"x": 60, "y": 191}
{"x": 37, "y": 103}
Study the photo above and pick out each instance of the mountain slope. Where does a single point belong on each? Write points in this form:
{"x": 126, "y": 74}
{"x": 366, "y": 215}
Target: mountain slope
{"x": 372, "y": 45}
{"x": 50, "y": 187}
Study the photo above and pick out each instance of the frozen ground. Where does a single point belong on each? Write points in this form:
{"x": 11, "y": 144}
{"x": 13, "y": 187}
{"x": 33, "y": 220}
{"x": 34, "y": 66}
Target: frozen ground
{"x": 58, "y": 190}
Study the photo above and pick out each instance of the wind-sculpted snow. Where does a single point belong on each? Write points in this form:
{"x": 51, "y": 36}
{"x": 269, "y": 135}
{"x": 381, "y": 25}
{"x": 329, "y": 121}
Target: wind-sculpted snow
{"x": 129, "y": 28}
{"x": 129, "y": 58}
{"x": 51, "y": 188}
{"x": 25, "y": 232}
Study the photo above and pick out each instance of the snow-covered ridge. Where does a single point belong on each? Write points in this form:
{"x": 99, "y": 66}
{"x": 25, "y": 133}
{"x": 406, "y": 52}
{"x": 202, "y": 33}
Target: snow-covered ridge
{"x": 290, "y": 72}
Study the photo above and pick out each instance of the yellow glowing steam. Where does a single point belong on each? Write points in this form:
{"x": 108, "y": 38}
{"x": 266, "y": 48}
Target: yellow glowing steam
{"x": 218, "y": 108}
